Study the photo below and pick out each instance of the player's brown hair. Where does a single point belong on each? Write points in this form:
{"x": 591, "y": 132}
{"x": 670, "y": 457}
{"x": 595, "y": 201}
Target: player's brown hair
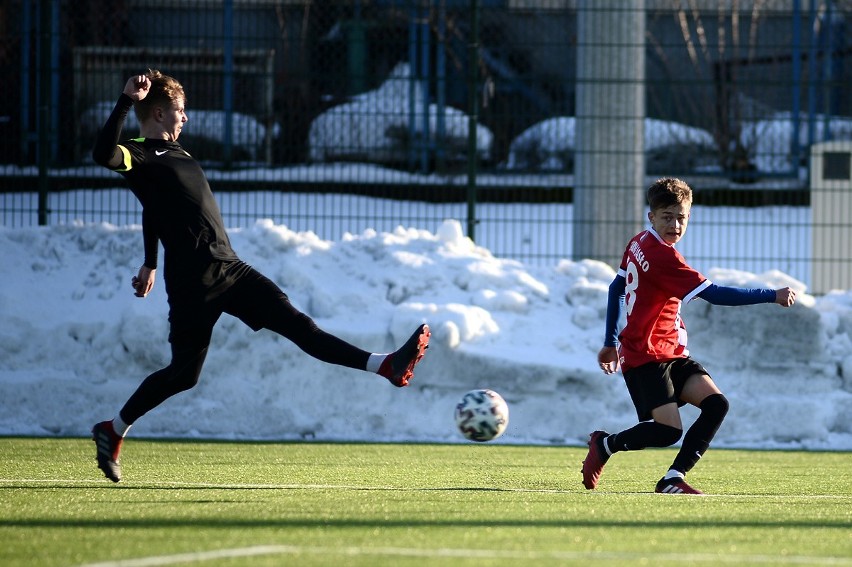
{"x": 165, "y": 91}
{"x": 668, "y": 191}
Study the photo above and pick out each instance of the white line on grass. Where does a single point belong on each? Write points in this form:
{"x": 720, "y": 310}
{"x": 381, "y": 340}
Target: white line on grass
{"x": 442, "y": 553}
{"x": 292, "y": 486}
{"x": 249, "y": 486}
{"x": 202, "y": 556}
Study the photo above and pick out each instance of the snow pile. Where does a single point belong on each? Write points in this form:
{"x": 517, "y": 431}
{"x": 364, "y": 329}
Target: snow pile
{"x": 75, "y": 343}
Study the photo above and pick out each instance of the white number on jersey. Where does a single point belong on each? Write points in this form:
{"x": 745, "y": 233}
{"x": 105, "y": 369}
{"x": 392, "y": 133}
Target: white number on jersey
{"x": 631, "y": 286}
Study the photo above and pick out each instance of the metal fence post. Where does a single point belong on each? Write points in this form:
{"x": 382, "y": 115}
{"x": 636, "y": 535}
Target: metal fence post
{"x": 43, "y": 146}
{"x": 609, "y": 166}
{"x": 473, "y": 116}
{"x": 228, "y": 82}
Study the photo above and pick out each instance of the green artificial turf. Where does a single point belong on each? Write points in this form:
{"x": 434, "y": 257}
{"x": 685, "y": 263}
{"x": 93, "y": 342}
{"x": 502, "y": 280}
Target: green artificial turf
{"x": 216, "y": 503}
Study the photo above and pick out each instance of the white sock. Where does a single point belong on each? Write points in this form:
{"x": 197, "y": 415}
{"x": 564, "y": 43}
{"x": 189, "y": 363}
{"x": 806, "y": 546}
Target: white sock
{"x": 375, "y": 362}
{"x": 606, "y": 445}
{"x": 673, "y": 474}
{"x": 120, "y": 427}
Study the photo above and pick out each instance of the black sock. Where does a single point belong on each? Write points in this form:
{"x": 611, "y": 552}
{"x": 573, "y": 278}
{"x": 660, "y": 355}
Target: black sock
{"x": 641, "y": 435}
{"x": 698, "y": 437}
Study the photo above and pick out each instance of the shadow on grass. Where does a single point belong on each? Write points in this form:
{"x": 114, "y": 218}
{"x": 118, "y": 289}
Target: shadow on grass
{"x": 485, "y": 523}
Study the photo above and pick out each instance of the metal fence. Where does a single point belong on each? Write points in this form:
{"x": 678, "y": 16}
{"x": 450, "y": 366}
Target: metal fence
{"x": 338, "y": 116}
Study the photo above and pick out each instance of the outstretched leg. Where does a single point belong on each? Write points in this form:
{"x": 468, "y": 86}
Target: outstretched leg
{"x": 261, "y": 304}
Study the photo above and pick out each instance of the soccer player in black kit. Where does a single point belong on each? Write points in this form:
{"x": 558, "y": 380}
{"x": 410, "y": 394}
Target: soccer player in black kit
{"x": 203, "y": 275}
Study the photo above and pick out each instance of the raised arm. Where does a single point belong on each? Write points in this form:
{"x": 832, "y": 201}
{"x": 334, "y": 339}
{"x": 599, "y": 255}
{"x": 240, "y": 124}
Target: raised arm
{"x": 106, "y": 151}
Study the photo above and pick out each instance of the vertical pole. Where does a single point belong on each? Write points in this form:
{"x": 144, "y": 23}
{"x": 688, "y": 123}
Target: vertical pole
{"x": 836, "y": 63}
{"x": 827, "y": 71}
{"x": 43, "y": 105}
{"x": 228, "y": 81}
{"x": 812, "y": 74}
{"x": 795, "y": 148}
{"x": 609, "y": 172}
{"x": 440, "y": 87}
{"x": 473, "y": 116}
{"x": 26, "y": 76}
{"x": 413, "y": 32}
{"x": 54, "y": 79}
{"x": 356, "y": 51}
{"x": 425, "y": 73}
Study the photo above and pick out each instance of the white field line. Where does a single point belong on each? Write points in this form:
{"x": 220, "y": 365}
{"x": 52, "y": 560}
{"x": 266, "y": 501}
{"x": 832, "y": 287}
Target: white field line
{"x": 445, "y": 553}
{"x": 201, "y": 556}
{"x": 294, "y": 486}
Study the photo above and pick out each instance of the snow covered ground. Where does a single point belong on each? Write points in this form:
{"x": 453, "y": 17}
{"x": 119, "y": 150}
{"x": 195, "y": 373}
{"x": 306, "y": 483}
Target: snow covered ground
{"x": 75, "y": 343}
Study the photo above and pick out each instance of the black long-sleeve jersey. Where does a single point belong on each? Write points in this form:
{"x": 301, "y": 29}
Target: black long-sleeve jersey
{"x": 178, "y": 207}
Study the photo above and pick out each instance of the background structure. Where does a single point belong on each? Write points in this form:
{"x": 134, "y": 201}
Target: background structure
{"x": 467, "y": 103}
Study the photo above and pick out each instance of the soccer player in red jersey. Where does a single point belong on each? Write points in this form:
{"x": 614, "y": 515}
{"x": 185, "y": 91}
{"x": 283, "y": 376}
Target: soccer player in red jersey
{"x": 652, "y": 282}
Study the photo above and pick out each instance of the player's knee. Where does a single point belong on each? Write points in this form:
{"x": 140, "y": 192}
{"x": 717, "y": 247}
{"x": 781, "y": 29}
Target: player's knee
{"x": 289, "y": 323}
{"x": 662, "y": 435}
{"x": 183, "y": 379}
{"x": 669, "y": 435}
{"x": 715, "y": 406}
{"x": 185, "y": 373}
{"x": 306, "y": 324}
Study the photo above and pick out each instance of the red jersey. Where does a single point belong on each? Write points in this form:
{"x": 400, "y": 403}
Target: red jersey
{"x": 658, "y": 280}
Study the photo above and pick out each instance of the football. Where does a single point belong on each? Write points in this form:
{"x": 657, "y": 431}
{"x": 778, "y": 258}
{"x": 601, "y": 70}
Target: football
{"x": 482, "y": 415}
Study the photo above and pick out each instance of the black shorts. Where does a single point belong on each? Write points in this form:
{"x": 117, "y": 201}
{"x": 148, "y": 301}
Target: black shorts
{"x": 659, "y": 383}
{"x": 225, "y": 287}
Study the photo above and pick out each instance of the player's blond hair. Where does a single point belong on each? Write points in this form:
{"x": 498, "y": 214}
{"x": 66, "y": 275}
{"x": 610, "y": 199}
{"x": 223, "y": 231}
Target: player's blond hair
{"x": 165, "y": 91}
{"x": 668, "y": 191}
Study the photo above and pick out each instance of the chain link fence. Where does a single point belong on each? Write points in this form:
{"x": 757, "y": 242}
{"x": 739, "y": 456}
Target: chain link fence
{"x": 339, "y": 116}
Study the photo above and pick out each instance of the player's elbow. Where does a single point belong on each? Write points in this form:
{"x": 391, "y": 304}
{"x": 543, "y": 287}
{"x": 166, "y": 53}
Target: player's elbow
{"x": 100, "y": 157}
{"x": 617, "y": 286}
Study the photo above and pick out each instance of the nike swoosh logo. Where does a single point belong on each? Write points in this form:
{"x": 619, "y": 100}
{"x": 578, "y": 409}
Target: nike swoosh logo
{"x": 159, "y": 153}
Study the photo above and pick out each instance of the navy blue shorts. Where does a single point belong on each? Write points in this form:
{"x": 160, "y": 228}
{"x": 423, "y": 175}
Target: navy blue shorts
{"x": 656, "y": 384}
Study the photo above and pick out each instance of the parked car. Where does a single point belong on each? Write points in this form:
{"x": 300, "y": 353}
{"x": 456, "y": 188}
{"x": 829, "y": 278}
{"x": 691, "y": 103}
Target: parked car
{"x": 669, "y": 147}
{"x": 387, "y": 126}
{"x": 769, "y": 142}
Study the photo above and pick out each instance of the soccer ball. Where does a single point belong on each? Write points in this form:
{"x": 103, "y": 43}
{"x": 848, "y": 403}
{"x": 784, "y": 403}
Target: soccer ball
{"x": 482, "y": 415}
